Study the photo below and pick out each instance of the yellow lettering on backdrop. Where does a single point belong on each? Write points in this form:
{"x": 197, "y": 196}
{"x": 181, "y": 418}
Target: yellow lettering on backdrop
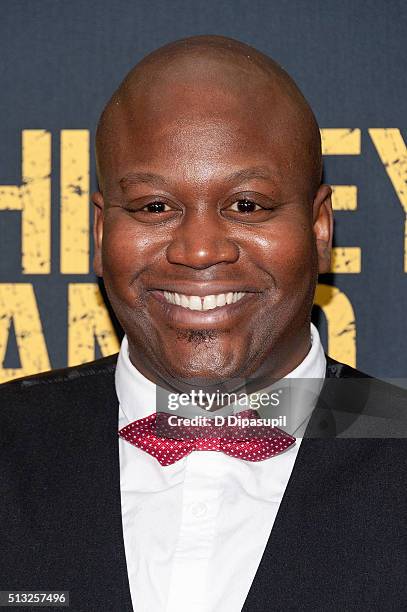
{"x": 346, "y": 259}
{"x": 393, "y": 153}
{"x": 18, "y": 304}
{"x": 33, "y": 198}
{"x": 74, "y": 250}
{"x": 88, "y": 319}
{"x": 343, "y": 141}
{"x": 340, "y": 317}
{"x": 344, "y": 197}
{"x": 340, "y": 141}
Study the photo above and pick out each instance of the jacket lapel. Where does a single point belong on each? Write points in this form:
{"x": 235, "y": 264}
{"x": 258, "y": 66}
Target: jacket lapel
{"x": 293, "y": 542}
{"x": 109, "y": 512}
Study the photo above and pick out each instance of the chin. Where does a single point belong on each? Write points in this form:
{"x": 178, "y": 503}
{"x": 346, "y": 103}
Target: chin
{"x": 203, "y": 379}
{"x": 205, "y": 362}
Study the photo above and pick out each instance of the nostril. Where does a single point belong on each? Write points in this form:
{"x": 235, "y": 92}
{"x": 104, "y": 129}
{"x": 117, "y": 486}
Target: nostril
{"x": 196, "y": 255}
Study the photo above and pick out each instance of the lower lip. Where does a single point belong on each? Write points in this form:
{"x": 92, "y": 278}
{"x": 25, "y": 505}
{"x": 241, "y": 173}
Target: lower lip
{"x": 201, "y": 318}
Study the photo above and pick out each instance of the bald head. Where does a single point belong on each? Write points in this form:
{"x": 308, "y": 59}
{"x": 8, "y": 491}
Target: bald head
{"x": 214, "y": 77}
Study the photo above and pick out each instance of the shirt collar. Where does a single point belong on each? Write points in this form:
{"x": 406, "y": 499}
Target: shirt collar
{"x": 137, "y": 394}
{"x": 301, "y": 387}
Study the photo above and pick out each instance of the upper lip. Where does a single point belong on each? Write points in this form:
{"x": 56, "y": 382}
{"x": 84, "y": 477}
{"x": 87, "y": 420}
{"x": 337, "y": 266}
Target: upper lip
{"x": 203, "y": 289}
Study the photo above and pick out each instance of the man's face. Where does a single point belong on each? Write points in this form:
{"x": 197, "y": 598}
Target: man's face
{"x": 209, "y": 252}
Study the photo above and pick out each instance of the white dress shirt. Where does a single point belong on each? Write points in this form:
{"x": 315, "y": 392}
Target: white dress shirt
{"x": 195, "y": 531}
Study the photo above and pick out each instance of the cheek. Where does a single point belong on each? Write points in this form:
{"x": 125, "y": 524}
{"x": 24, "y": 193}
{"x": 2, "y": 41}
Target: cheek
{"x": 126, "y": 251}
{"x": 287, "y": 254}
{"x": 299, "y": 261}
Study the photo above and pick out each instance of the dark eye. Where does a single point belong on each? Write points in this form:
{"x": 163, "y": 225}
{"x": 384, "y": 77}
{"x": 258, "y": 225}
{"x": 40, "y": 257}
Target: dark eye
{"x": 244, "y": 206}
{"x": 156, "y": 207}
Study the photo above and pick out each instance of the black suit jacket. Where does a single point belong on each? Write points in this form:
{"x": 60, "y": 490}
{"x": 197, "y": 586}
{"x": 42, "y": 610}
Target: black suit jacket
{"x": 339, "y": 541}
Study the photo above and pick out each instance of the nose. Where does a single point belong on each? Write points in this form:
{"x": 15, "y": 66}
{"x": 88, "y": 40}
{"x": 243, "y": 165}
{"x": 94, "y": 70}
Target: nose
{"x": 201, "y": 241}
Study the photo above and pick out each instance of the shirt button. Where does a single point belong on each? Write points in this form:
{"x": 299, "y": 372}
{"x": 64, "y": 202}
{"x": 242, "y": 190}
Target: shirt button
{"x": 199, "y": 510}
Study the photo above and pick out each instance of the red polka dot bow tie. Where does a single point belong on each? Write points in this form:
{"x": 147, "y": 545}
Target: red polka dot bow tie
{"x": 248, "y": 438}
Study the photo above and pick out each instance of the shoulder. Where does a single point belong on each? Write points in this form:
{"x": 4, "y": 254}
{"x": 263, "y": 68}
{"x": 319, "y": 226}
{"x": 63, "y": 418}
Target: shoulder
{"x": 336, "y": 369}
{"x": 363, "y": 405}
{"x": 62, "y": 376}
{"x": 56, "y": 422}
{"x": 342, "y": 371}
{"x": 355, "y": 379}
{"x": 55, "y": 389}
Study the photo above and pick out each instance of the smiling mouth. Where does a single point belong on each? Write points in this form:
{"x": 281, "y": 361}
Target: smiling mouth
{"x": 203, "y": 303}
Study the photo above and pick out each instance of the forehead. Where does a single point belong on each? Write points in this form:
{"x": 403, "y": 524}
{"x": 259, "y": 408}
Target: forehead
{"x": 195, "y": 127}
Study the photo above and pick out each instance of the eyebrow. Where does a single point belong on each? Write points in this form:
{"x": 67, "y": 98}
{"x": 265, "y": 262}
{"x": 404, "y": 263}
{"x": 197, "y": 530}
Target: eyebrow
{"x": 255, "y": 172}
{"x": 134, "y": 178}
{"x": 259, "y": 172}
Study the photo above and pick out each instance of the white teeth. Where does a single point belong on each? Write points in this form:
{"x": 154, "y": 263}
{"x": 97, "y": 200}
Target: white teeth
{"x": 207, "y": 302}
{"x": 195, "y": 303}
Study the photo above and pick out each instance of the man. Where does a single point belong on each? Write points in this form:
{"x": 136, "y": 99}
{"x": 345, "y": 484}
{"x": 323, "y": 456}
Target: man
{"x": 211, "y": 226}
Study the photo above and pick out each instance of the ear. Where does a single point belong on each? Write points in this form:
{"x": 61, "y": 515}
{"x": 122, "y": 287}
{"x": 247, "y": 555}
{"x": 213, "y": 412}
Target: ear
{"x": 98, "y": 202}
{"x": 323, "y": 227}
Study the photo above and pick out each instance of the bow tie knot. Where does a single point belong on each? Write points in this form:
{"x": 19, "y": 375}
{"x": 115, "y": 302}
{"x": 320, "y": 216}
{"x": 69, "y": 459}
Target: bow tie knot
{"x": 156, "y": 436}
